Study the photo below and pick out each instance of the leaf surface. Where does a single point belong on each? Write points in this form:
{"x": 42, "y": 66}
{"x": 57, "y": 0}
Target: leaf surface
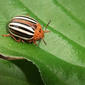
{"x": 62, "y": 60}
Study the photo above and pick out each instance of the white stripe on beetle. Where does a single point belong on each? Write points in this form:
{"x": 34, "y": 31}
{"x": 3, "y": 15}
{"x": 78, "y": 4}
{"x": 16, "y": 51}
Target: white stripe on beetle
{"x": 22, "y": 31}
{"x": 21, "y": 25}
{"x": 22, "y": 17}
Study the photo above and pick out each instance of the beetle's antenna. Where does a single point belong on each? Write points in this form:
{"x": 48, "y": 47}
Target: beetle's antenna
{"x": 46, "y": 31}
{"x": 47, "y": 24}
{"x": 39, "y": 42}
{"x": 44, "y": 42}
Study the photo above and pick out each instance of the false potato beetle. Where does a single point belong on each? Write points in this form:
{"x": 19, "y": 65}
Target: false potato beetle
{"x": 25, "y": 28}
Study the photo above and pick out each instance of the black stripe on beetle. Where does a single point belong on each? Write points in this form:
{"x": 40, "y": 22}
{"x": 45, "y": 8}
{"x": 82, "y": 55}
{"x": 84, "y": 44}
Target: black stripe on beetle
{"x": 20, "y": 27}
{"x": 20, "y": 34}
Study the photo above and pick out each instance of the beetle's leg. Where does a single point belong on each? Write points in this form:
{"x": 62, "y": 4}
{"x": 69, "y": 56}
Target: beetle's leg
{"x": 35, "y": 43}
{"x": 15, "y": 38}
{"x": 23, "y": 41}
{"x": 6, "y": 35}
{"x": 30, "y": 41}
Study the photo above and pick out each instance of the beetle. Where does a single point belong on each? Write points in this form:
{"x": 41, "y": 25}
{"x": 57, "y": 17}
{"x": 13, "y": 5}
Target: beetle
{"x": 25, "y": 28}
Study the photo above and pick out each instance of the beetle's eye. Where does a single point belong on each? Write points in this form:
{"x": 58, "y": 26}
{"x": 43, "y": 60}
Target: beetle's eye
{"x": 35, "y": 26}
{"x": 40, "y": 30}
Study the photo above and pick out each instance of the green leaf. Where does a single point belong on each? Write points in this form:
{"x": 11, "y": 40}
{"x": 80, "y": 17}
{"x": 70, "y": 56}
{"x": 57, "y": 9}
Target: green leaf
{"x": 16, "y": 73}
{"x": 62, "y": 60}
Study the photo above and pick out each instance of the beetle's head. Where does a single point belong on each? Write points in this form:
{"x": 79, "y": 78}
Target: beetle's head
{"x": 39, "y": 32}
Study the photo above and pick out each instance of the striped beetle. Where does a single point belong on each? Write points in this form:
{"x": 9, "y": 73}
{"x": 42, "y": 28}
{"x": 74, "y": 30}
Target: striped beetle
{"x": 25, "y": 28}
